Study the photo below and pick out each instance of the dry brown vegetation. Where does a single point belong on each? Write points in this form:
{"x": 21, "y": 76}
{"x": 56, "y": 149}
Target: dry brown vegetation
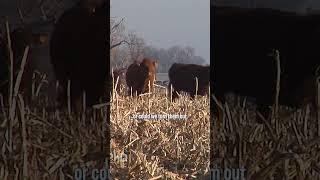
{"x": 287, "y": 147}
{"x": 41, "y": 144}
{"x": 160, "y": 149}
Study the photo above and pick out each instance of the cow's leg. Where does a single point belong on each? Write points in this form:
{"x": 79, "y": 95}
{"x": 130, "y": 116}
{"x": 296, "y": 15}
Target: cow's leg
{"x": 134, "y": 90}
{"x": 130, "y": 91}
{"x": 140, "y": 89}
{"x": 174, "y": 92}
{"x": 175, "y": 95}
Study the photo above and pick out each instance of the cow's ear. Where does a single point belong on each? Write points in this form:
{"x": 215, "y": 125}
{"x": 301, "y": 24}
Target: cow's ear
{"x": 155, "y": 63}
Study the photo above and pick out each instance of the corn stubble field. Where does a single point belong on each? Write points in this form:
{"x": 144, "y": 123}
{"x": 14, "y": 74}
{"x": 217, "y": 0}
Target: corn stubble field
{"x": 287, "y": 147}
{"x": 41, "y": 142}
{"x": 160, "y": 149}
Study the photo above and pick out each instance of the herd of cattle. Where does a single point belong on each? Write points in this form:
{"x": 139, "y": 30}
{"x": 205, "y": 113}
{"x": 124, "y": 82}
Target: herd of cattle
{"x": 139, "y": 78}
{"x": 243, "y": 40}
{"x": 79, "y": 56}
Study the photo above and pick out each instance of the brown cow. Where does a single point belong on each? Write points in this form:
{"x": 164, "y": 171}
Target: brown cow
{"x": 139, "y": 75}
{"x": 183, "y": 78}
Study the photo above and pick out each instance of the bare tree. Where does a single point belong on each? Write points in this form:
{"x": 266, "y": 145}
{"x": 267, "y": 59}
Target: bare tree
{"x": 189, "y": 51}
{"x": 117, "y": 30}
{"x": 175, "y": 54}
{"x": 136, "y": 46}
{"x": 118, "y": 54}
{"x": 122, "y": 56}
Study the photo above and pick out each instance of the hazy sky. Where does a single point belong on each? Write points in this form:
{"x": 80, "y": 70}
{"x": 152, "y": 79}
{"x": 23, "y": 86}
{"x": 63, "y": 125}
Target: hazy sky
{"x": 165, "y": 23}
{"x": 290, "y": 5}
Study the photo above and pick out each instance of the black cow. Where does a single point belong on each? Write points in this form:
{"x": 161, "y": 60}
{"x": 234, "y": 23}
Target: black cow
{"x": 243, "y": 41}
{"x": 183, "y": 78}
{"x": 79, "y": 51}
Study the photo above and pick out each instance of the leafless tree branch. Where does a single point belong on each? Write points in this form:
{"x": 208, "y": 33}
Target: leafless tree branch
{"x": 118, "y": 44}
{"x": 117, "y": 25}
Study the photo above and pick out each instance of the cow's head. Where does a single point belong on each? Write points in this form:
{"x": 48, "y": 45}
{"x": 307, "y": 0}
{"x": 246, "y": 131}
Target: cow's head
{"x": 151, "y": 64}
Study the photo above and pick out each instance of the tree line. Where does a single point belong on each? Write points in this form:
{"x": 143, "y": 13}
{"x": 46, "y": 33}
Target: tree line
{"x": 126, "y": 47}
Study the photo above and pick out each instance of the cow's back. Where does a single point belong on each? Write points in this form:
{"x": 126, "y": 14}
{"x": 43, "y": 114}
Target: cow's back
{"x": 183, "y": 76}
